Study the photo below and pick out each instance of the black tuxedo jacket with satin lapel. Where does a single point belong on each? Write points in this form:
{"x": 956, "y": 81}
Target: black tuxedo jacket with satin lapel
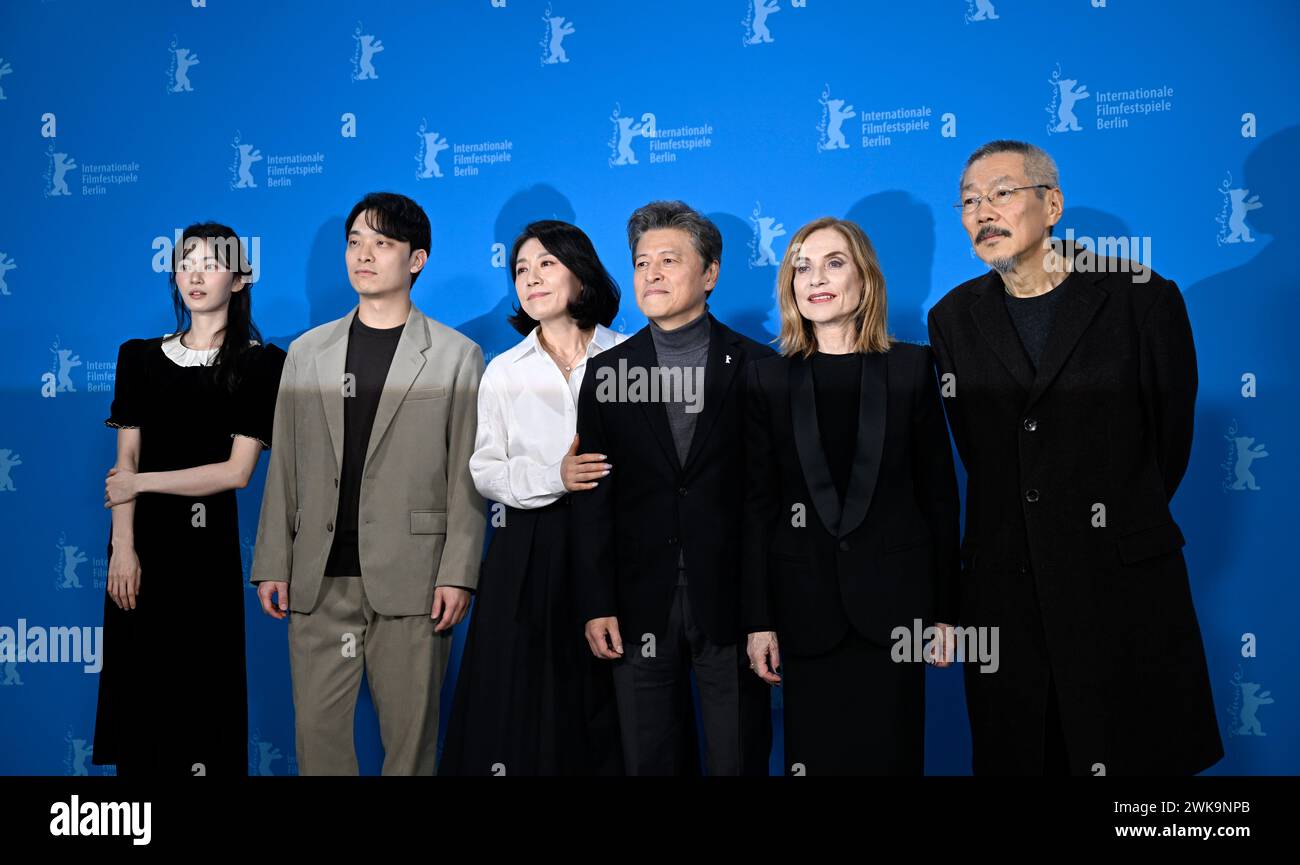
{"x": 888, "y": 555}
{"x": 1070, "y": 548}
{"x": 627, "y": 531}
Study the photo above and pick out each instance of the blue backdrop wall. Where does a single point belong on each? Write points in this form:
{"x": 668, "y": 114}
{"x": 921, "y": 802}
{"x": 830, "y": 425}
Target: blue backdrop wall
{"x": 1173, "y": 124}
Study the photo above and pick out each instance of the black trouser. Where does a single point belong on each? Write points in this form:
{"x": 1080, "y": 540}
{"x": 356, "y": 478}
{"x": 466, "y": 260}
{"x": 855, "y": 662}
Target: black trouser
{"x": 653, "y": 691}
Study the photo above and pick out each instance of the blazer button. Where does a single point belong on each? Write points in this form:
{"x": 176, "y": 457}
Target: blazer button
{"x": 1031, "y": 495}
{"x": 844, "y": 546}
{"x": 681, "y": 491}
{"x": 329, "y": 527}
{"x": 1030, "y": 424}
{"x": 672, "y": 541}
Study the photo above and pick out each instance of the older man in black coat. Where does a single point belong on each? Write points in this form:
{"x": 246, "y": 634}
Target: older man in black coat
{"x": 1069, "y": 380}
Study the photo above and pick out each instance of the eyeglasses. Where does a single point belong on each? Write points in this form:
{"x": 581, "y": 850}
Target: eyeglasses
{"x": 998, "y": 197}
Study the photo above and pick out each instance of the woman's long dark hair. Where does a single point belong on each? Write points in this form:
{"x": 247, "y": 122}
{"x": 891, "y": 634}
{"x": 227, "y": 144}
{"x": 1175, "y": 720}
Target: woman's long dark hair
{"x": 239, "y": 329}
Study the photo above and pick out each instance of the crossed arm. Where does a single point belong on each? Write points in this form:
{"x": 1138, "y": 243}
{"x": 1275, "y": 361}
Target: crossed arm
{"x": 124, "y": 483}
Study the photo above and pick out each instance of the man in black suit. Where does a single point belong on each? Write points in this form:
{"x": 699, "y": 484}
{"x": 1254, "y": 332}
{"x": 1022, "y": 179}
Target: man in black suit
{"x": 1069, "y": 381}
{"x": 657, "y": 541}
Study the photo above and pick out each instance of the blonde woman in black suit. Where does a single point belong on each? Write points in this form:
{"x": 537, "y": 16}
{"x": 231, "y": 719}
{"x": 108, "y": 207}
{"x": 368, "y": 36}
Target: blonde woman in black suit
{"x": 845, "y": 429}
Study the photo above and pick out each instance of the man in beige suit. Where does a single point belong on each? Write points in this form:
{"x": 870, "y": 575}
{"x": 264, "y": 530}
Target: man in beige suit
{"x": 371, "y": 531}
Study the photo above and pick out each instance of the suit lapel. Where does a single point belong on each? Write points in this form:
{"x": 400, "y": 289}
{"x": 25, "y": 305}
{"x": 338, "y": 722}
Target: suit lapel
{"x": 726, "y": 354}
{"x": 994, "y": 323}
{"x": 808, "y": 444}
{"x": 408, "y": 360}
{"x": 331, "y": 363}
{"x": 873, "y": 406}
{"x": 641, "y": 355}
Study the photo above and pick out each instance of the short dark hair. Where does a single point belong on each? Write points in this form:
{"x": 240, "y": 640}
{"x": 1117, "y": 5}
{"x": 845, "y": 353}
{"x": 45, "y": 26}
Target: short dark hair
{"x": 395, "y": 216}
{"x": 704, "y": 235}
{"x": 597, "y": 302}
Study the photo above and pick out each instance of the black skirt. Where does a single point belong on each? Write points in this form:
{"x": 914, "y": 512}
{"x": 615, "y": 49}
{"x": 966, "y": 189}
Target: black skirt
{"x": 530, "y": 699}
{"x": 853, "y": 711}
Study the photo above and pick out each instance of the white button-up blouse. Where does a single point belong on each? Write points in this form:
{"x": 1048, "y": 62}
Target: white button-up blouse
{"x": 527, "y": 415}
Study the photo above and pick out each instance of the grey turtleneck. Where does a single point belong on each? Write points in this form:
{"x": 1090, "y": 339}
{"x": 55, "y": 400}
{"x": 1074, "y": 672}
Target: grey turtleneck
{"x": 686, "y": 347}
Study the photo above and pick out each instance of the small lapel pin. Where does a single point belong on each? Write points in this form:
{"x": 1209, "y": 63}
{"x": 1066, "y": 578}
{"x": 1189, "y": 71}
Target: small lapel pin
{"x": 728, "y": 359}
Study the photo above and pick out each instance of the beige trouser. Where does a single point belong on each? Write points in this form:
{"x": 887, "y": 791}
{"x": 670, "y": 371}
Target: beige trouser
{"x": 404, "y": 661}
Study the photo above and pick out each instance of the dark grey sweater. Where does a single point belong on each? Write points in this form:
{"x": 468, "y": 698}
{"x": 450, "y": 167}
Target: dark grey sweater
{"x": 686, "y": 347}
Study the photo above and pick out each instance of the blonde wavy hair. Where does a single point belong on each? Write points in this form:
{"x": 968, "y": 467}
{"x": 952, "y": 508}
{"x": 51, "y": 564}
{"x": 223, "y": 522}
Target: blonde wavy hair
{"x": 869, "y": 318}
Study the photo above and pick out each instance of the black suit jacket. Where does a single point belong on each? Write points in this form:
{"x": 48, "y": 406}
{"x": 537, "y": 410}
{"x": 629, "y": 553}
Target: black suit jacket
{"x": 888, "y": 556}
{"x": 1070, "y": 548}
{"x": 627, "y": 531}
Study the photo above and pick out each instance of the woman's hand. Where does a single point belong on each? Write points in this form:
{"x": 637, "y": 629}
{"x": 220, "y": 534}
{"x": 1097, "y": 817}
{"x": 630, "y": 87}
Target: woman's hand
{"x": 764, "y": 656}
{"x": 940, "y": 651}
{"x": 582, "y": 471}
{"x": 120, "y": 487}
{"x": 124, "y": 577}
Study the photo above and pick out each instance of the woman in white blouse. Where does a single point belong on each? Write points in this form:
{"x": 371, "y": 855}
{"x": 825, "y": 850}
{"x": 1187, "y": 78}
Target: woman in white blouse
{"x": 530, "y": 700}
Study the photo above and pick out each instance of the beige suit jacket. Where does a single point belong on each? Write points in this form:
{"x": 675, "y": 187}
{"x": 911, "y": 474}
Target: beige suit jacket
{"x": 420, "y": 521}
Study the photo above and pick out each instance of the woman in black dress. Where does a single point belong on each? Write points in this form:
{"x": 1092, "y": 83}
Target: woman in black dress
{"x": 851, "y": 515}
{"x": 193, "y": 412}
{"x": 530, "y": 698}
